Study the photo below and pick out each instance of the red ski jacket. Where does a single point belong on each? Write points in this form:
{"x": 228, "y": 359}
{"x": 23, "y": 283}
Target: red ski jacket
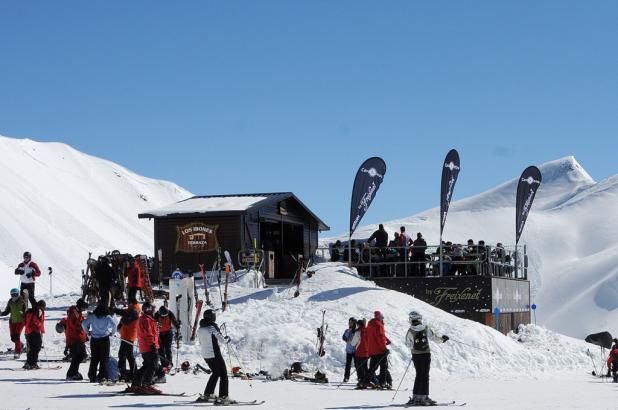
{"x": 134, "y": 277}
{"x": 129, "y": 322}
{"x": 376, "y": 338}
{"x": 147, "y": 333}
{"x": 74, "y": 332}
{"x": 35, "y": 321}
{"x": 361, "y": 349}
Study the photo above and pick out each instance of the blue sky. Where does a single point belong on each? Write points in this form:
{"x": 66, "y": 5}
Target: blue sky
{"x": 259, "y": 96}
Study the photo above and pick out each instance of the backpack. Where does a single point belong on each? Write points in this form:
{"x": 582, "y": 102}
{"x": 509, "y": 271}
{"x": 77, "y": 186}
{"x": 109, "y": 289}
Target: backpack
{"x": 421, "y": 343}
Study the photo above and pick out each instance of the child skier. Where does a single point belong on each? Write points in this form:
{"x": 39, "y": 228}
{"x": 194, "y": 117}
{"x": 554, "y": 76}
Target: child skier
{"x": 349, "y": 347}
{"x": 417, "y": 339}
{"x": 75, "y": 338}
{"x": 35, "y": 327}
{"x": 100, "y": 326}
{"x": 127, "y": 328}
{"x": 166, "y": 319}
{"x": 148, "y": 341}
{"x": 16, "y": 306}
{"x": 210, "y": 336}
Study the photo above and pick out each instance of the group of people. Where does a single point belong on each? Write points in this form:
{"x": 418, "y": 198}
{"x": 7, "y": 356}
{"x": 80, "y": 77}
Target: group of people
{"x": 404, "y": 255}
{"x": 367, "y": 349}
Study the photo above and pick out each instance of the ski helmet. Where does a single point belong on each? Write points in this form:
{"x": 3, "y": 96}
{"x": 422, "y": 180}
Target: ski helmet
{"x": 59, "y": 327}
{"x": 210, "y": 315}
{"x": 41, "y": 304}
{"x": 414, "y": 316}
{"x": 14, "y": 292}
{"x": 27, "y": 255}
{"x": 163, "y": 311}
{"x": 185, "y": 366}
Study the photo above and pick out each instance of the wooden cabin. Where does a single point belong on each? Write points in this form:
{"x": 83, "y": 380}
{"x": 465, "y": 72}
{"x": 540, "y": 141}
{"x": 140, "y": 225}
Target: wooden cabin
{"x": 199, "y": 229}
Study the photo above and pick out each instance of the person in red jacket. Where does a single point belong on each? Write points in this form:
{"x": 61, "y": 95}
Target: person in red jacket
{"x": 35, "y": 327}
{"x": 361, "y": 354}
{"x": 148, "y": 341}
{"x": 376, "y": 346}
{"x": 28, "y": 271}
{"x": 135, "y": 281}
{"x": 76, "y": 338}
{"x": 127, "y": 328}
{"x": 167, "y": 322}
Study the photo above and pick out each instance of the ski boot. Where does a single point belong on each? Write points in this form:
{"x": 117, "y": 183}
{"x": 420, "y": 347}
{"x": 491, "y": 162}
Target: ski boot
{"x": 426, "y": 401}
{"x": 206, "y": 398}
{"x": 414, "y": 400}
{"x": 224, "y": 401}
{"x": 148, "y": 390}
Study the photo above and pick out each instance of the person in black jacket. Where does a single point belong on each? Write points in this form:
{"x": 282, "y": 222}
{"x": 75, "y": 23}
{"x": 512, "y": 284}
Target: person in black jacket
{"x": 381, "y": 238}
{"x": 104, "y": 275}
{"x": 418, "y": 255}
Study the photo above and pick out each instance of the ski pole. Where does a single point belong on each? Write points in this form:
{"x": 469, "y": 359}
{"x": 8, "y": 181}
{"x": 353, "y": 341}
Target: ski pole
{"x": 592, "y": 360}
{"x": 402, "y": 378}
{"x": 354, "y": 371}
{"x": 231, "y": 348}
{"x": 469, "y": 345}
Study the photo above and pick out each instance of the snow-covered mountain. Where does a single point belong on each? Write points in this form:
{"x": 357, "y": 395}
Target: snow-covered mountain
{"x": 572, "y": 239}
{"x": 60, "y": 204}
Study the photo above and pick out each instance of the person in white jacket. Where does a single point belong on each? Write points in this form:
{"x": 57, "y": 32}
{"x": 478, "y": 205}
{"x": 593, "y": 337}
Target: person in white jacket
{"x": 210, "y": 338}
{"x": 417, "y": 339}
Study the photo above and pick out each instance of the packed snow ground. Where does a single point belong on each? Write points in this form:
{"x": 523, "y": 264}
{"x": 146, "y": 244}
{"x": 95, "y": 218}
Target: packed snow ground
{"x": 571, "y": 236}
{"x": 270, "y": 329}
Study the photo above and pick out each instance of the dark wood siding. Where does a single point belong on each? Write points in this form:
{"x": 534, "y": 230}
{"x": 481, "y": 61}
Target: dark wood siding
{"x": 228, "y": 235}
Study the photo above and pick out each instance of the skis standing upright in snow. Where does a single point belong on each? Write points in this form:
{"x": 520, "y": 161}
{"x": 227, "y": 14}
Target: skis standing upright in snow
{"x": 198, "y": 306}
{"x": 206, "y": 291}
{"x": 322, "y": 335}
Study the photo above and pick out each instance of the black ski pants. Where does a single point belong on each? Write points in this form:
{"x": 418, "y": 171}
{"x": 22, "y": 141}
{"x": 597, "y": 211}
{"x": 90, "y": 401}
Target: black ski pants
{"x": 165, "y": 348}
{"x": 144, "y": 375}
{"x": 99, "y": 356}
{"x": 35, "y": 341}
{"x": 105, "y": 295}
{"x": 422, "y": 362}
{"x": 125, "y": 354}
{"x": 78, "y": 353}
{"x": 30, "y": 288}
{"x": 361, "y": 364}
{"x": 219, "y": 371}
{"x": 349, "y": 357}
{"x": 377, "y": 361}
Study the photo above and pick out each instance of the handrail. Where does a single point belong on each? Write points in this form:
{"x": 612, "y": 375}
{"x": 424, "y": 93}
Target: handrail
{"x": 397, "y": 261}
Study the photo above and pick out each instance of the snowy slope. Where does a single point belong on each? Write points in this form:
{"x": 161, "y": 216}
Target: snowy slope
{"x": 572, "y": 238}
{"x": 270, "y": 329}
{"x": 60, "y": 204}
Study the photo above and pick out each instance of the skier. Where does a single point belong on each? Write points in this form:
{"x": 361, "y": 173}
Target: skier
{"x": 348, "y": 334}
{"x": 16, "y": 306}
{"x": 100, "y": 326}
{"x": 376, "y": 346}
{"x": 76, "y": 338}
{"x": 35, "y": 327}
{"x": 28, "y": 271}
{"x": 127, "y": 328}
{"x": 361, "y": 354}
{"x": 210, "y": 336}
{"x": 166, "y": 319}
{"x": 148, "y": 341}
{"x": 417, "y": 339}
{"x": 135, "y": 281}
{"x": 104, "y": 275}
